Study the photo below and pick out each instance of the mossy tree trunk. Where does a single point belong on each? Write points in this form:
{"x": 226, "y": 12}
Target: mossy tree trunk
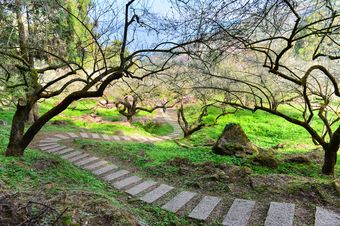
{"x": 330, "y": 156}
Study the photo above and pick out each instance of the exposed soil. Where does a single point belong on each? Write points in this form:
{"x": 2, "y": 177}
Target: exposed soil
{"x": 63, "y": 208}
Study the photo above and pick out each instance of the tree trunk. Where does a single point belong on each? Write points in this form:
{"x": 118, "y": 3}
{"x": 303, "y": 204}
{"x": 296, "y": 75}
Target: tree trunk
{"x": 186, "y": 133}
{"x": 34, "y": 114}
{"x": 15, "y": 147}
{"x": 329, "y": 161}
{"x": 331, "y": 150}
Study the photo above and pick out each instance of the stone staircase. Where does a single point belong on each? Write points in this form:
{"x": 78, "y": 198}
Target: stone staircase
{"x": 199, "y": 206}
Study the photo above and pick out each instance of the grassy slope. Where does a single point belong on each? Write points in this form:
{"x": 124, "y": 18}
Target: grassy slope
{"x": 263, "y": 129}
{"x": 61, "y": 177}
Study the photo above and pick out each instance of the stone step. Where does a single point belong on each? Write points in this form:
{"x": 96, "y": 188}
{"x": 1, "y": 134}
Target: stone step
{"x": 46, "y": 144}
{"x": 280, "y": 214}
{"x": 104, "y": 170}
{"x": 50, "y": 139}
{"x": 71, "y": 155}
{"x": 179, "y": 201}
{"x": 95, "y": 136}
{"x": 61, "y": 136}
{"x": 106, "y": 137}
{"x": 156, "y": 193}
{"x": 324, "y": 217}
{"x": 204, "y": 207}
{"x": 56, "y": 149}
{"x": 64, "y": 151}
{"x": 116, "y": 138}
{"x": 78, "y": 157}
{"x": 86, "y": 161}
{"x": 49, "y": 147}
{"x": 126, "y": 182}
{"x": 141, "y": 138}
{"x": 73, "y": 135}
{"x": 84, "y": 135}
{"x": 239, "y": 213}
{"x": 95, "y": 165}
{"x": 116, "y": 175}
{"x": 140, "y": 187}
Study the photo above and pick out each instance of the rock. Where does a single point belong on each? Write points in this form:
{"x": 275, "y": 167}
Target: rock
{"x": 119, "y": 133}
{"x": 336, "y": 185}
{"x": 267, "y": 161}
{"x": 234, "y": 173}
{"x": 2, "y": 123}
{"x": 103, "y": 102}
{"x": 247, "y": 170}
{"x": 298, "y": 159}
{"x": 209, "y": 142}
{"x": 59, "y": 122}
{"x": 278, "y": 146}
{"x": 93, "y": 115}
{"x": 233, "y": 141}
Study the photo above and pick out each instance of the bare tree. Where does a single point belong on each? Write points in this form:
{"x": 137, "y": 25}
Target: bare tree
{"x": 307, "y": 82}
{"x": 89, "y": 74}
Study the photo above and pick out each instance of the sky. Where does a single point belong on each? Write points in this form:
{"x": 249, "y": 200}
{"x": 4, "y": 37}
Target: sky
{"x": 158, "y": 7}
{"x": 142, "y": 38}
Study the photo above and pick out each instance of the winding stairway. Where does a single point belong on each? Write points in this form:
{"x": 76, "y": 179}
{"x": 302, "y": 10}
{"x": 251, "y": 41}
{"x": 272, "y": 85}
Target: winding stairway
{"x": 149, "y": 191}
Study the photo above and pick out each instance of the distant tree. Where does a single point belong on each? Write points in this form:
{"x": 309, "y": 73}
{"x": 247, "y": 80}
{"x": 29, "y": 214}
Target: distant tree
{"x": 197, "y": 121}
{"x": 140, "y": 96}
{"x": 87, "y": 74}
{"x": 305, "y": 80}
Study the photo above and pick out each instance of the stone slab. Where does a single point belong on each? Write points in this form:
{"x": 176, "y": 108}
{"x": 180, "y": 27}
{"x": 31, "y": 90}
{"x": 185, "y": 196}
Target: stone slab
{"x": 84, "y": 135}
{"x": 61, "y": 136}
{"x": 325, "y": 217}
{"x": 86, "y": 161}
{"x": 140, "y": 187}
{"x": 42, "y": 142}
{"x": 46, "y": 144}
{"x": 73, "y": 135}
{"x": 143, "y": 138}
{"x": 50, "y": 139}
{"x": 116, "y": 175}
{"x": 280, "y": 214}
{"x": 156, "y": 193}
{"x": 179, "y": 201}
{"x": 106, "y": 137}
{"x": 95, "y": 165}
{"x": 126, "y": 182}
{"x": 95, "y": 136}
{"x": 56, "y": 149}
{"x": 71, "y": 155}
{"x": 105, "y": 169}
{"x": 64, "y": 151}
{"x": 116, "y": 138}
{"x": 239, "y": 213}
{"x": 49, "y": 147}
{"x": 78, "y": 157}
{"x": 204, "y": 207}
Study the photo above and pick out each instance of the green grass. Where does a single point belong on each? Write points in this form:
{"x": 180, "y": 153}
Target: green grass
{"x": 22, "y": 175}
{"x": 263, "y": 129}
{"x": 153, "y": 128}
{"x": 156, "y": 155}
{"x": 74, "y": 122}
